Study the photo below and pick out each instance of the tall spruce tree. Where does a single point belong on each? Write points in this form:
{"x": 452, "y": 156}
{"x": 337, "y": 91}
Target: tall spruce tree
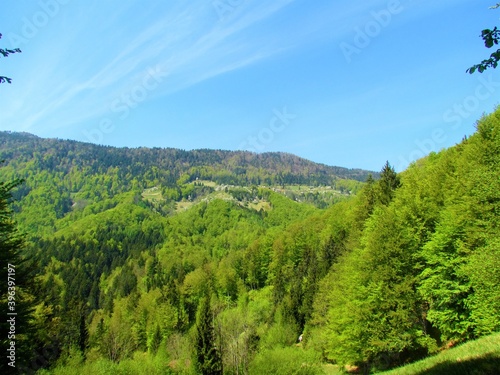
{"x": 208, "y": 358}
{"x": 388, "y": 183}
{"x": 16, "y": 301}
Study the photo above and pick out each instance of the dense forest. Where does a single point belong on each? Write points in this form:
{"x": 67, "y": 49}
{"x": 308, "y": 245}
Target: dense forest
{"x": 163, "y": 261}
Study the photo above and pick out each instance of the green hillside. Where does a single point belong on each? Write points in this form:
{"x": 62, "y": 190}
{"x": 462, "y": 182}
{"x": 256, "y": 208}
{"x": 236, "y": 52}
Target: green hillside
{"x": 68, "y": 178}
{"x": 164, "y": 261}
{"x": 479, "y": 357}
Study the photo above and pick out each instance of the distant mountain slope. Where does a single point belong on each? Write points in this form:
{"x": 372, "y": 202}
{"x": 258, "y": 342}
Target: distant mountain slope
{"x": 236, "y": 167}
{"x": 70, "y": 180}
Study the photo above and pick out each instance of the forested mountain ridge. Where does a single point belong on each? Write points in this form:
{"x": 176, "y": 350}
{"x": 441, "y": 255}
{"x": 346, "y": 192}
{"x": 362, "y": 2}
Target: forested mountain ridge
{"x": 225, "y": 167}
{"x": 62, "y": 177}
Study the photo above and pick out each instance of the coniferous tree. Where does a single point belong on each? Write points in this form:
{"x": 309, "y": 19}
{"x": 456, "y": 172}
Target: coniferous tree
{"x": 388, "y": 183}
{"x": 208, "y": 358}
{"x": 16, "y": 300}
{"x": 156, "y": 340}
{"x": 83, "y": 339}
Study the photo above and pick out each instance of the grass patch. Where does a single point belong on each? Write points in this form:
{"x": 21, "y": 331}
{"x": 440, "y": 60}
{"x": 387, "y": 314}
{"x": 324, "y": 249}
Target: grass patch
{"x": 478, "y": 357}
{"x": 152, "y": 194}
{"x": 266, "y": 206}
{"x": 286, "y": 361}
{"x": 183, "y": 206}
{"x": 206, "y": 183}
{"x": 330, "y": 369}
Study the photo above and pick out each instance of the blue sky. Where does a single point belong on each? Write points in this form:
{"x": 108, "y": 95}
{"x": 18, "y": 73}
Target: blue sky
{"x": 338, "y": 82}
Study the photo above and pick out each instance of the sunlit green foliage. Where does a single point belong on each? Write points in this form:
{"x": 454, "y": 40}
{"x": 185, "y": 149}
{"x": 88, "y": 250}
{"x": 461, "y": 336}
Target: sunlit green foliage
{"x": 424, "y": 268}
{"x": 220, "y": 266}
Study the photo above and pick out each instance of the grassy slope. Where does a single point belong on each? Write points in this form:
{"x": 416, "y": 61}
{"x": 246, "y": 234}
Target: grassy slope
{"x": 479, "y": 357}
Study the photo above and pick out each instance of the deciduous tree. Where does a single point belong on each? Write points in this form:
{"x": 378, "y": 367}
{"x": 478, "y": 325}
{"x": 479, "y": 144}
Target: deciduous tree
{"x": 491, "y": 37}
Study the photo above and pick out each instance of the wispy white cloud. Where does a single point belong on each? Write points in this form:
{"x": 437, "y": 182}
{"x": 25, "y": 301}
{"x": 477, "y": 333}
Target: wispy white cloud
{"x": 78, "y": 80}
{"x": 82, "y": 69}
